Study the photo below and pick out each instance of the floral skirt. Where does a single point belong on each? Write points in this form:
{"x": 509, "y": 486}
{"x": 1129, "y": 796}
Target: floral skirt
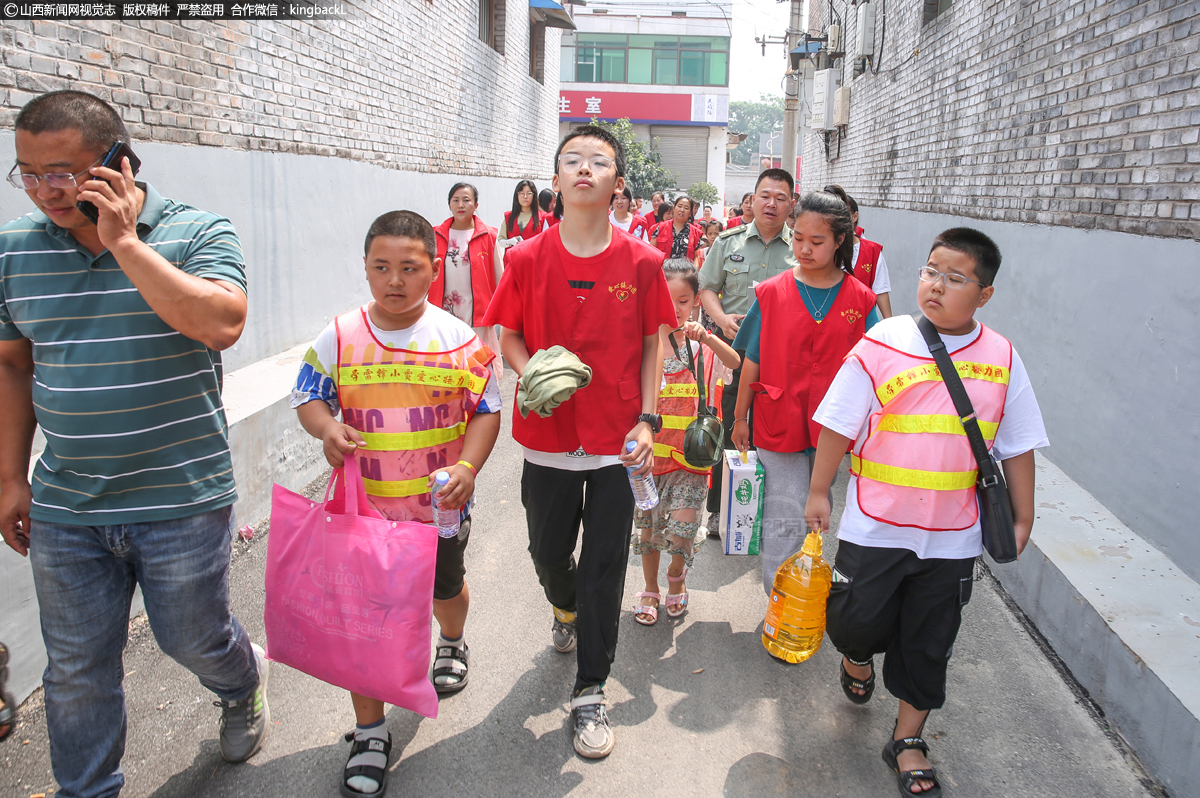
{"x": 658, "y": 530}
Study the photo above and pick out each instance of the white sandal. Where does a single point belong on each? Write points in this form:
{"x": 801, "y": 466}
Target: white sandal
{"x": 645, "y": 609}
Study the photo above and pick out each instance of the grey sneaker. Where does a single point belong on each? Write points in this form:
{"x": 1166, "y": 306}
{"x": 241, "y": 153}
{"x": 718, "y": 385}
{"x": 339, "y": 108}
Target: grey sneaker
{"x": 593, "y": 736}
{"x": 564, "y": 636}
{"x": 245, "y": 723}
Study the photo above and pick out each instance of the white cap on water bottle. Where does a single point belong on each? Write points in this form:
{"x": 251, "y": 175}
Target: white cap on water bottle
{"x": 442, "y": 478}
{"x": 630, "y": 446}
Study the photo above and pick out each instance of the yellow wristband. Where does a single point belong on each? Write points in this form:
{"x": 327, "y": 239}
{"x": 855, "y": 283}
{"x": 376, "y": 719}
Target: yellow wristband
{"x": 468, "y": 465}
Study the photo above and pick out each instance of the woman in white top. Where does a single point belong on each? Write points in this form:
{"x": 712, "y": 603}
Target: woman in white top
{"x": 622, "y": 217}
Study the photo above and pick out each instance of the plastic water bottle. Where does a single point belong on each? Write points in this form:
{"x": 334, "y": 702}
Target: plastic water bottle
{"x": 645, "y": 492}
{"x": 446, "y": 521}
{"x": 795, "y": 624}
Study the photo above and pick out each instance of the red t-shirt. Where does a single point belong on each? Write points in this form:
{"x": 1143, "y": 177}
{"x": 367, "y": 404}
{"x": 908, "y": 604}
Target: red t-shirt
{"x": 582, "y": 275}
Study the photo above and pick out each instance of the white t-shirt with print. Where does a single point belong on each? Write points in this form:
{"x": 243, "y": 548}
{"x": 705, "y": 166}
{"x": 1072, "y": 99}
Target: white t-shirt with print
{"x": 851, "y": 401}
{"x": 436, "y": 330}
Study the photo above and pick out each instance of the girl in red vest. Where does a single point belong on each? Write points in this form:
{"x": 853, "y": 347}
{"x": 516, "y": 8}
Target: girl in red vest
{"x": 677, "y": 237}
{"x": 869, "y": 265}
{"x": 682, "y": 487}
{"x": 747, "y": 214}
{"x": 800, "y": 327}
{"x": 525, "y": 220}
{"x": 623, "y": 218}
{"x": 469, "y": 273}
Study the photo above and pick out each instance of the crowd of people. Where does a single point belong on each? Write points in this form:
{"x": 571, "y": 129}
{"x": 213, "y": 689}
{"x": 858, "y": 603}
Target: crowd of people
{"x": 786, "y": 307}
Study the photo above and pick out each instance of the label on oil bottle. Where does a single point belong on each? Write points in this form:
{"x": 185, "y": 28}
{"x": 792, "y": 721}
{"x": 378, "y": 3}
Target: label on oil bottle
{"x": 774, "y": 613}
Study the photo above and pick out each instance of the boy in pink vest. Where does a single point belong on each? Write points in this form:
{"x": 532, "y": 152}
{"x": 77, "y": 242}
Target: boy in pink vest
{"x": 910, "y": 533}
{"x": 440, "y": 414}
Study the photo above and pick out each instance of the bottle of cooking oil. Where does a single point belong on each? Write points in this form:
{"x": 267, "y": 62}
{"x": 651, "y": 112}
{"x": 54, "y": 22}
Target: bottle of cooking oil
{"x": 795, "y": 622}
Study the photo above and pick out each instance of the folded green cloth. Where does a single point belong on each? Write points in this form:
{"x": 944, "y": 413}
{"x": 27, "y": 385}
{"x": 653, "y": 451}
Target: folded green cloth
{"x": 550, "y": 377}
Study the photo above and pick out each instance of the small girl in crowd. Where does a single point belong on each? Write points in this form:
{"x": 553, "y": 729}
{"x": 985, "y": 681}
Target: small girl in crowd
{"x": 525, "y": 220}
{"x": 800, "y": 327}
{"x": 682, "y": 488}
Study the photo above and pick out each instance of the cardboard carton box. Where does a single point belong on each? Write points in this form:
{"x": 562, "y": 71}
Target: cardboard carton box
{"x": 741, "y": 503}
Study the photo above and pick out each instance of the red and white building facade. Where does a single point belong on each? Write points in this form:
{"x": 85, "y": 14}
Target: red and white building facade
{"x": 665, "y": 68}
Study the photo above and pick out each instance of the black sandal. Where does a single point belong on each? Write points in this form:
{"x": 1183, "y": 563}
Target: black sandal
{"x": 8, "y": 707}
{"x": 909, "y": 777}
{"x": 378, "y": 775}
{"x": 850, "y": 684}
{"x": 455, "y": 665}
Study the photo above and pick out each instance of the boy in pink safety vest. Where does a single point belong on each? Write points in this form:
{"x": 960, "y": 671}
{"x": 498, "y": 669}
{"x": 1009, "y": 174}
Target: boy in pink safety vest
{"x": 909, "y": 536}
{"x": 417, "y": 395}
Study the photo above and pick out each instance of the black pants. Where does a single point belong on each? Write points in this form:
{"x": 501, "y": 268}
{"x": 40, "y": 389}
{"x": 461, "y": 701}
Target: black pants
{"x": 556, "y": 501}
{"x": 728, "y": 407}
{"x": 891, "y": 602}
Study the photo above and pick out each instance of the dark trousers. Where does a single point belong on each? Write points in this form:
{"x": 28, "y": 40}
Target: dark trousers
{"x": 891, "y": 602}
{"x": 728, "y": 406}
{"x": 556, "y": 502}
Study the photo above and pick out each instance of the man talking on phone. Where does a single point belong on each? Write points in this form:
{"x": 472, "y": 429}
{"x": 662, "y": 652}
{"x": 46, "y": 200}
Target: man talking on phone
{"x": 110, "y": 340}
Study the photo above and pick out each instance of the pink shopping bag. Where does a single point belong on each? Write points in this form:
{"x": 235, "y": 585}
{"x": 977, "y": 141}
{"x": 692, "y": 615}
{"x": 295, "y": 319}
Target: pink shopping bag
{"x": 350, "y": 593}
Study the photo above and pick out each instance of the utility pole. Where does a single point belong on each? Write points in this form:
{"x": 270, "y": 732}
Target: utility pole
{"x": 793, "y": 87}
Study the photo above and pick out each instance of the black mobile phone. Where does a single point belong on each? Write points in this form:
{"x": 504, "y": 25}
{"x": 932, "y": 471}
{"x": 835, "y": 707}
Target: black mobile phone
{"x": 112, "y": 160}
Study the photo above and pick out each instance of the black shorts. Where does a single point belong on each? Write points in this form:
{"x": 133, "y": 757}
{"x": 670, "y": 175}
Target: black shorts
{"x": 450, "y": 569}
{"x": 891, "y": 602}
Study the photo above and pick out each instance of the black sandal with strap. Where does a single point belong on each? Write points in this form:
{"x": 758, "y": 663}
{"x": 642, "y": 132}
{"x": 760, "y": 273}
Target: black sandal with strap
{"x": 8, "y": 707}
{"x": 908, "y": 778}
{"x": 850, "y": 684}
{"x": 456, "y": 667}
{"x": 378, "y": 775}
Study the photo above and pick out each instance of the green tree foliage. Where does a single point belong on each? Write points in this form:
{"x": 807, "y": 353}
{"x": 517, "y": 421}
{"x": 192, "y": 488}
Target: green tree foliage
{"x": 753, "y": 119}
{"x": 704, "y": 192}
{"x": 644, "y": 172}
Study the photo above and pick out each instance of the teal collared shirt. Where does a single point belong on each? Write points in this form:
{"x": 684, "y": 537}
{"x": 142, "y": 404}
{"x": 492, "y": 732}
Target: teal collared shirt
{"x": 131, "y": 409}
{"x": 739, "y": 259}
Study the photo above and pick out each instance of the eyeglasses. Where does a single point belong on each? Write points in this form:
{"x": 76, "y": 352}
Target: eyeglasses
{"x": 928, "y": 274}
{"x": 59, "y": 180}
{"x": 597, "y": 164}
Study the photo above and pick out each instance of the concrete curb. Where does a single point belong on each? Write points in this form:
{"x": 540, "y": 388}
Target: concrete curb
{"x": 1124, "y": 620}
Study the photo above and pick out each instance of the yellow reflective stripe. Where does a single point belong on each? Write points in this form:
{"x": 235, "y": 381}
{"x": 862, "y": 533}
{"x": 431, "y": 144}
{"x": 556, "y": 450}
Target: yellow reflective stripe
{"x": 679, "y": 389}
{"x": 407, "y": 487}
{"x": 911, "y": 478}
{"x": 677, "y": 422}
{"x": 663, "y": 450}
{"x": 398, "y": 441}
{"x": 411, "y": 375}
{"x": 966, "y": 369}
{"x": 933, "y": 423}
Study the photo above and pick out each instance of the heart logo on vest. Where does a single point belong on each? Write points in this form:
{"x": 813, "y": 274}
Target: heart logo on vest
{"x": 622, "y": 290}
{"x": 866, "y": 267}
{"x": 851, "y": 315}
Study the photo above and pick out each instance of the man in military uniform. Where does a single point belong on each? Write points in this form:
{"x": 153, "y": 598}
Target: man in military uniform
{"x": 738, "y": 260}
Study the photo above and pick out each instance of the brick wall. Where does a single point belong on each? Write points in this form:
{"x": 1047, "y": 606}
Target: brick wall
{"x": 1068, "y": 112}
{"x": 405, "y": 84}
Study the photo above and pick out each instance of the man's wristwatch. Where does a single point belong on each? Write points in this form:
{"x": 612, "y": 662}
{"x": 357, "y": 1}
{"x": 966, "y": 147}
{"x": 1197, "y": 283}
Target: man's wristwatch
{"x": 654, "y": 420}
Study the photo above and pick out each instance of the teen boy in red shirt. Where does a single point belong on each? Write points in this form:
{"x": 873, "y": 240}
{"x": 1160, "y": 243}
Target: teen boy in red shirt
{"x": 602, "y": 296}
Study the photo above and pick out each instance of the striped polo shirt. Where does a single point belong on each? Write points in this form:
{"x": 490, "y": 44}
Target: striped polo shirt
{"x": 131, "y": 409}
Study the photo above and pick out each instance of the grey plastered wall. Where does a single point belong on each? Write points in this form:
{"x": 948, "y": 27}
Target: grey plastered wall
{"x": 301, "y": 220}
{"x": 1108, "y": 325}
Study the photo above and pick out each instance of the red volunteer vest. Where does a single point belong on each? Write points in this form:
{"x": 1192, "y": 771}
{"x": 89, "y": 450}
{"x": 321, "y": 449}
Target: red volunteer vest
{"x": 532, "y": 227}
{"x": 677, "y": 404}
{"x": 604, "y": 331}
{"x": 800, "y": 357}
{"x": 483, "y": 268}
{"x": 663, "y": 236}
{"x": 868, "y": 259}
